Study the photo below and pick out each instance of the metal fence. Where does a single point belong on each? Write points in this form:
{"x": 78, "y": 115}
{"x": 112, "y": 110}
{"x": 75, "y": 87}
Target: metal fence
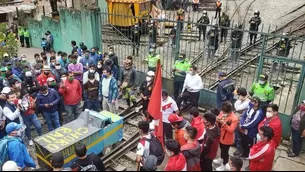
{"x": 242, "y": 63}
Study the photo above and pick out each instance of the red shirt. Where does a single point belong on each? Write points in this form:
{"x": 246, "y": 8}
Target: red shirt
{"x": 176, "y": 163}
{"x": 72, "y": 92}
{"x": 179, "y": 136}
{"x": 31, "y": 109}
{"x": 261, "y": 156}
{"x": 198, "y": 124}
{"x": 276, "y": 125}
{"x": 42, "y": 78}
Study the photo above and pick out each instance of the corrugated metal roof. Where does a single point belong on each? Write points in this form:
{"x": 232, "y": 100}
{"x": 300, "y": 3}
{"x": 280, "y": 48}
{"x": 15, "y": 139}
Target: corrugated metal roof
{"x": 128, "y": 1}
{"x": 12, "y": 8}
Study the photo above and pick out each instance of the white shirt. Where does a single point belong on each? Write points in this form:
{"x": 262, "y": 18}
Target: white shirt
{"x": 143, "y": 148}
{"x": 241, "y": 105}
{"x": 85, "y": 76}
{"x": 105, "y": 86}
{"x": 192, "y": 83}
{"x": 168, "y": 107}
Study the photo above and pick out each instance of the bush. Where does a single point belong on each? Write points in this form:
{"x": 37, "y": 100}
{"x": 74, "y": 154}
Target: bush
{"x": 8, "y": 44}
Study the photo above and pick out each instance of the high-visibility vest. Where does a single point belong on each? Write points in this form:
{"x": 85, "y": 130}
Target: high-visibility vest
{"x": 27, "y": 33}
{"x": 182, "y": 66}
{"x": 153, "y": 60}
{"x": 20, "y": 31}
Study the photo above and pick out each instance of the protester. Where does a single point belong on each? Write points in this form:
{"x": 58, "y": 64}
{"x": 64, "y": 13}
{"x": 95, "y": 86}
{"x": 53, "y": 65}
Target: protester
{"x": 143, "y": 146}
{"x": 179, "y": 124}
{"x": 91, "y": 90}
{"x": 42, "y": 78}
{"x": 176, "y": 160}
{"x": 197, "y": 122}
{"x": 84, "y": 162}
{"x": 235, "y": 164}
{"x": 57, "y": 162}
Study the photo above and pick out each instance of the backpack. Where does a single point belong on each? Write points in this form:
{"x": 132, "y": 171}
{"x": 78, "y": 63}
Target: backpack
{"x": 156, "y": 149}
{"x": 4, "y": 151}
{"x": 90, "y": 167}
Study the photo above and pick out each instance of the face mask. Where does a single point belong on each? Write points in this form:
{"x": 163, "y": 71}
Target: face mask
{"x": 92, "y": 53}
{"x": 71, "y": 78}
{"x": 53, "y": 84}
{"x": 258, "y": 137}
{"x": 64, "y": 59}
{"x": 23, "y": 59}
{"x": 148, "y": 79}
{"x": 37, "y": 71}
{"x": 87, "y": 56}
{"x": 73, "y": 61}
{"x": 91, "y": 71}
{"x": 46, "y": 73}
{"x": 99, "y": 66}
{"x": 3, "y": 75}
{"x": 261, "y": 82}
{"x": 45, "y": 94}
{"x": 9, "y": 67}
{"x": 57, "y": 67}
{"x": 269, "y": 115}
{"x": 64, "y": 78}
{"x": 104, "y": 76}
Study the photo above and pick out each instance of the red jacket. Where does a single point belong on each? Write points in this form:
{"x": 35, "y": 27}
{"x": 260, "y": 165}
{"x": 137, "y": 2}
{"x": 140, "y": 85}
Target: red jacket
{"x": 191, "y": 152}
{"x": 179, "y": 136}
{"x": 276, "y": 125}
{"x": 198, "y": 124}
{"x": 176, "y": 163}
{"x": 42, "y": 78}
{"x": 261, "y": 156}
{"x": 210, "y": 143}
{"x": 72, "y": 92}
{"x": 227, "y": 132}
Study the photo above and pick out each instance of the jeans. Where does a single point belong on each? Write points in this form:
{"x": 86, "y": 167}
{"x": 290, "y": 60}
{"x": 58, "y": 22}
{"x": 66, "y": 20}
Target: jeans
{"x": 224, "y": 153}
{"x": 93, "y": 105}
{"x": 73, "y": 111}
{"x": 238, "y": 139}
{"x": 52, "y": 118}
{"x": 32, "y": 120}
{"x": 296, "y": 141}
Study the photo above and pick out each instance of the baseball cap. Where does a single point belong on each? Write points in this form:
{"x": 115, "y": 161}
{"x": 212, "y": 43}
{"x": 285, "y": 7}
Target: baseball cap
{"x": 12, "y": 126}
{"x": 5, "y": 90}
{"x": 175, "y": 118}
{"x": 46, "y": 68}
{"x": 164, "y": 93}
{"x": 263, "y": 77}
{"x": 28, "y": 74}
{"x": 222, "y": 74}
{"x": 303, "y": 101}
{"x": 150, "y": 163}
{"x": 10, "y": 166}
{"x": 57, "y": 160}
{"x": 5, "y": 55}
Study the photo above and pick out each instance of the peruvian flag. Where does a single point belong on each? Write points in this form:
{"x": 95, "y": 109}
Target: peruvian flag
{"x": 154, "y": 106}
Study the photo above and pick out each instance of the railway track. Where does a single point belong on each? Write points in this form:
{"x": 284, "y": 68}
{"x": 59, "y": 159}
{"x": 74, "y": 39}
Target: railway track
{"x": 248, "y": 55}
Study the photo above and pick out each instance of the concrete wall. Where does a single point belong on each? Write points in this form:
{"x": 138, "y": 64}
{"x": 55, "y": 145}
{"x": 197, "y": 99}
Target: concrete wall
{"x": 81, "y": 26}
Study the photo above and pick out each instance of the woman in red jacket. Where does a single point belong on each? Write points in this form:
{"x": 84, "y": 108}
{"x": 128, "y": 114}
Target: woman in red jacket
{"x": 273, "y": 121}
{"x": 197, "y": 122}
{"x": 262, "y": 153}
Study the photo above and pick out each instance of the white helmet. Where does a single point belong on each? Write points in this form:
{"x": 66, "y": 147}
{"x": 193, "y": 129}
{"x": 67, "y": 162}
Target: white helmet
{"x": 151, "y": 73}
{"x": 205, "y": 12}
{"x": 10, "y": 166}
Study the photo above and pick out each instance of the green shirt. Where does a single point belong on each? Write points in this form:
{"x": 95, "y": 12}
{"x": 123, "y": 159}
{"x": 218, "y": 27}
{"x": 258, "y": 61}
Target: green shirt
{"x": 265, "y": 93}
{"x": 20, "y": 31}
{"x": 153, "y": 60}
{"x": 27, "y": 33}
{"x": 182, "y": 66}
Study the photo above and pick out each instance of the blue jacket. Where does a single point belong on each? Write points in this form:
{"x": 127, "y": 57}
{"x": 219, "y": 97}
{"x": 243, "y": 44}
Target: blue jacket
{"x": 52, "y": 98}
{"x": 225, "y": 91}
{"x": 251, "y": 122}
{"x": 18, "y": 153}
{"x": 64, "y": 64}
{"x": 85, "y": 61}
{"x": 95, "y": 58}
{"x": 113, "y": 89}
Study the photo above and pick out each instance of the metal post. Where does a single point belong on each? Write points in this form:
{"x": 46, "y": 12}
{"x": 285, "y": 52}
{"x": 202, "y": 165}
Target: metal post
{"x": 73, "y": 4}
{"x": 178, "y": 36}
{"x": 17, "y": 12}
{"x": 86, "y": 117}
{"x": 261, "y": 58}
{"x": 43, "y": 11}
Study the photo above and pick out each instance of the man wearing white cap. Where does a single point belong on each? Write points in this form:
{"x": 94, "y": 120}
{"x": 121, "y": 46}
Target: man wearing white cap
{"x": 16, "y": 149}
{"x": 42, "y": 78}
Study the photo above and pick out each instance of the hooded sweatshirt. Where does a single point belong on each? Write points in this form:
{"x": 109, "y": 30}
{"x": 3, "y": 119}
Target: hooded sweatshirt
{"x": 191, "y": 152}
{"x": 210, "y": 143}
{"x": 198, "y": 124}
{"x": 72, "y": 92}
{"x": 176, "y": 163}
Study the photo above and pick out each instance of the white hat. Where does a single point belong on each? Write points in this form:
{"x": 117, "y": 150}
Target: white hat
{"x": 50, "y": 79}
{"x": 5, "y": 90}
{"x": 28, "y": 74}
{"x": 151, "y": 73}
{"x": 10, "y": 166}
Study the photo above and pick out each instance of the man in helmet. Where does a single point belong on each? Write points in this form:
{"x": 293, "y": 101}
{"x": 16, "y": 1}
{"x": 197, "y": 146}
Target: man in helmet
{"x": 136, "y": 34}
{"x": 152, "y": 59}
{"x": 201, "y": 24}
{"x": 146, "y": 89}
{"x": 152, "y": 31}
{"x": 283, "y": 48}
{"x": 254, "y": 24}
{"x": 173, "y": 33}
{"x": 236, "y": 38}
{"x": 225, "y": 22}
{"x": 213, "y": 37}
{"x": 181, "y": 66}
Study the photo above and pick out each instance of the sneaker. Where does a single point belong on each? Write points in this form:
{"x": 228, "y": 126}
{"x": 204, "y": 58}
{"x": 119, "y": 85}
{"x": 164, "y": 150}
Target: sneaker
{"x": 218, "y": 161}
{"x": 221, "y": 168}
{"x": 238, "y": 152}
{"x": 31, "y": 143}
{"x": 291, "y": 155}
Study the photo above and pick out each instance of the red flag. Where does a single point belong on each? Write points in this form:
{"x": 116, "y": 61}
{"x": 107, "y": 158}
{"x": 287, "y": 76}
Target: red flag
{"x": 154, "y": 106}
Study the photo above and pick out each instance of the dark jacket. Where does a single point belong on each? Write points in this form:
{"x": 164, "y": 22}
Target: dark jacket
{"x": 133, "y": 77}
{"x": 254, "y": 23}
{"x": 58, "y": 73}
{"x": 251, "y": 123}
{"x": 52, "y": 98}
{"x": 210, "y": 143}
{"x": 302, "y": 122}
{"x": 236, "y": 37}
{"x": 284, "y": 47}
{"x": 203, "y": 20}
{"x": 191, "y": 152}
{"x": 31, "y": 86}
{"x": 91, "y": 90}
{"x": 225, "y": 91}
{"x": 213, "y": 37}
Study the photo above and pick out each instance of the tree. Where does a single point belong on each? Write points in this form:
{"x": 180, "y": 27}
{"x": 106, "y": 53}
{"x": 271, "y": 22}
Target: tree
{"x": 8, "y": 44}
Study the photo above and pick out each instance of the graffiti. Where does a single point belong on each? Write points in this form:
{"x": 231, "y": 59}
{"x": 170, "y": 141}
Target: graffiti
{"x": 61, "y": 138}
